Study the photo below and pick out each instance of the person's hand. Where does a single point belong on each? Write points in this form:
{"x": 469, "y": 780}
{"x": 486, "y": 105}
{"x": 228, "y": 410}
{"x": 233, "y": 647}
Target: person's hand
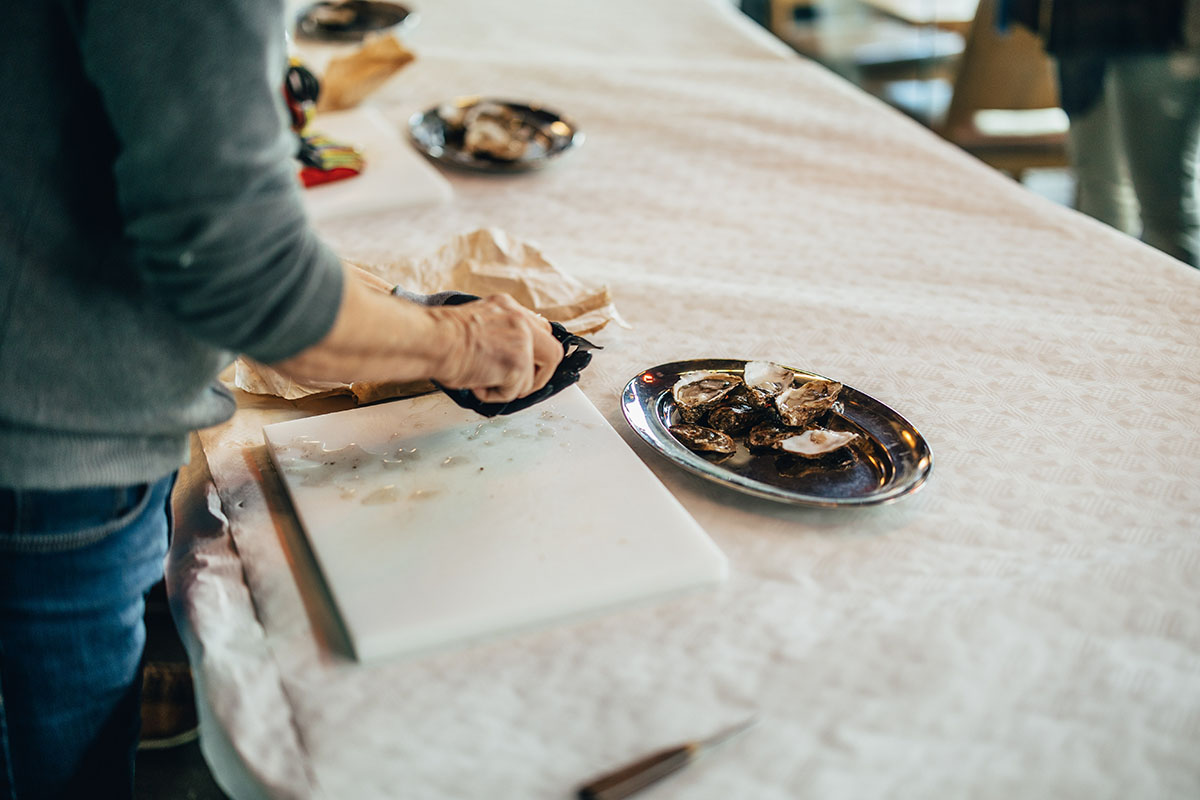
{"x": 502, "y": 350}
{"x": 492, "y": 347}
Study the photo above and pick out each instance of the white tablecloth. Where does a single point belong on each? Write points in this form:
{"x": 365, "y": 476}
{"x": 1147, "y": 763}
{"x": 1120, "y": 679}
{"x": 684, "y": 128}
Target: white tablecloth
{"x": 1028, "y": 625}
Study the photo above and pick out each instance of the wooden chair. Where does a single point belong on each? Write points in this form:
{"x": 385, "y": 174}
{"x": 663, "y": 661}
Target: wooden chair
{"x": 783, "y": 13}
{"x": 1006, "y": 77}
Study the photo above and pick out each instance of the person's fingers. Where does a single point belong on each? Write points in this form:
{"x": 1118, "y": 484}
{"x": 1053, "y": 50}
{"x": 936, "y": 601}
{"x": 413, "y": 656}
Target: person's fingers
{"x": 517, "y": 385}
{"x": 516, "y": 380}
{"x": 547, "y": 353}
{"x": 509, "y": 351}
{"x": 493, "y": 396}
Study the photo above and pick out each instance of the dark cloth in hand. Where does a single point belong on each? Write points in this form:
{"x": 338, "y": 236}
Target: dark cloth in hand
{"x": 576, "y": 355}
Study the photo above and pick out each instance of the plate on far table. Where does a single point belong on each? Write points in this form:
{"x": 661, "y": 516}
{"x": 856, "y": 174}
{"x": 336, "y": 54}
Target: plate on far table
{"x": 542, "y": 135}
{"x": 352, "y": 20}
{"x": 890, "y": 459}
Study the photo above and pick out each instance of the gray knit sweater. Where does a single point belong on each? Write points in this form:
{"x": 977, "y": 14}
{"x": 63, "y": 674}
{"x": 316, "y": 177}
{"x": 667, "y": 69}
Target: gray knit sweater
{"x": 150, "y": 226}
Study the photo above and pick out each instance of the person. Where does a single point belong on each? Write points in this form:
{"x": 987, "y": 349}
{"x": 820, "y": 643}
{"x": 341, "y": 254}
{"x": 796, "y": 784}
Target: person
{"x": 152, "y": 227}
{"x": 1129, "y": 81}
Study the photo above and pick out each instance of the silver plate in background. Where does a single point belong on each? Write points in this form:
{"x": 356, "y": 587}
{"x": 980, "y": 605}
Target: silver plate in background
{"x": 442, "y": 142}
{"x": 892, "y": 459}
{"x": 364, "y": 17}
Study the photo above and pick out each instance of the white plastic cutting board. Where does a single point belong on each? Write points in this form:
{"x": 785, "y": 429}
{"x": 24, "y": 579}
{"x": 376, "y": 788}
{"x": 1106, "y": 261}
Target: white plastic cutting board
{"x": 394, "y": 175}
{"x": 433, "y": 525}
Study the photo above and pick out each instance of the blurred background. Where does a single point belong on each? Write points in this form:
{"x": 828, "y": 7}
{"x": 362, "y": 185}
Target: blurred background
{"x": 946, "y": 64}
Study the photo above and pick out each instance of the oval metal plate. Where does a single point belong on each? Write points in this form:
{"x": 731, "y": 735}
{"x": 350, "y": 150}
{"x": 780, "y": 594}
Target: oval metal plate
{"x": 433, "y": 136}
{"x": 367, "y": 17}
{"x": 892, "y": 459}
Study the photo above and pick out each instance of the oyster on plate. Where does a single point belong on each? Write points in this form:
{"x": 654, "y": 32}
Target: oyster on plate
{"x": 697, "y": 393}
{"x": 766, "y": 435}
{"x": 800, "y": 405}
{"x": 702, "y": 439}
{"x": 733, "y": 416}
{"x": 767, "y": 378}
{"x": 765, "y": 409}
{"x": 816, "y": 442}
{"x": 491, "y": 129}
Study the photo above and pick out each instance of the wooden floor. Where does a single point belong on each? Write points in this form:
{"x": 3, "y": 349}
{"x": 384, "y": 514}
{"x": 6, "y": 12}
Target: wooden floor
{"x": 176, "y": 774}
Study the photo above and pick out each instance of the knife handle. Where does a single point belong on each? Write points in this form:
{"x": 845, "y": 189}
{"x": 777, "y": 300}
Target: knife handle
{"x": 638, "y": 775}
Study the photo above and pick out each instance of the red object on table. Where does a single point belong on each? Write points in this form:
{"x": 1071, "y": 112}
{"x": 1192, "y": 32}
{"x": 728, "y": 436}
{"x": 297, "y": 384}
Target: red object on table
{"x": 311, "y": 176}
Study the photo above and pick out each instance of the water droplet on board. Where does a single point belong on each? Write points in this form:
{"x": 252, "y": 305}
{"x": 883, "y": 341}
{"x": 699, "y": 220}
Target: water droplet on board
{"x": 315, "y": 477}
{"x": 385, "y": 494}
{"x": 455, "y": 461}
{"x": 423, "y": 494}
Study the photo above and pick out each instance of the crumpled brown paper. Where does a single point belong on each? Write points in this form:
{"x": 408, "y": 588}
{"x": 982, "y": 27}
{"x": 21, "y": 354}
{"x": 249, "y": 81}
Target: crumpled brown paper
{"x": 483, "y": 262}
{"x": 255, "y": 378}
{"x": 348, "y": 80}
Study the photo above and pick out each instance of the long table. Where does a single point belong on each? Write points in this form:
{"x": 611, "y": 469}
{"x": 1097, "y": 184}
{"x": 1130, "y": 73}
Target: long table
{"x": 1028, "y": 625}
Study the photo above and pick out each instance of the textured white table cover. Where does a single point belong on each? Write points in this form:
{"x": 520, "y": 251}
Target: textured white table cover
{"x": 1028, "y": 625}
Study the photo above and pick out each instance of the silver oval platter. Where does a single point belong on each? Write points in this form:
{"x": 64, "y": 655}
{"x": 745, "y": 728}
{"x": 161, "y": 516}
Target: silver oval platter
{"x": 538, "y": 135}
{"x": 352, "y": 20}
{"x": 890, "y": 459}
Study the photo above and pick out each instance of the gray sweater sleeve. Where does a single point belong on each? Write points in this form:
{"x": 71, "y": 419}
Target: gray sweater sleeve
{"x": 205, "y": 175}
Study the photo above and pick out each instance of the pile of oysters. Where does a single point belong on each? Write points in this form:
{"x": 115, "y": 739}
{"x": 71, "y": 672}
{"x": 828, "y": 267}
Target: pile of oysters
{"x": 493, "y": 130}
{"x": 776, "y": 412}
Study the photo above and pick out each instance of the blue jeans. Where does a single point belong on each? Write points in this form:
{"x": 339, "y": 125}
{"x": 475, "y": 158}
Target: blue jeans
{"x": 74, "y": 569}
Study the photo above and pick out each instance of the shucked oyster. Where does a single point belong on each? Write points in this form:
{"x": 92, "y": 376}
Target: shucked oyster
{"x": 767, "y": 377}
{"x": 702, "y": 439}
{"x": 799, "y": 406}
{"x": 695, "y": 394}
{"x": 733, "y": 416}
{"x": 816, "y": 442}
{"x": 495, "y": 130}
{"x": 766, "y": 435}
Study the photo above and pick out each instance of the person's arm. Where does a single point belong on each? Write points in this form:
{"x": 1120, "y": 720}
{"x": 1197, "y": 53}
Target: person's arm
{"x": 204, "y": 172}
{"x": 206, "y": 183}
{"x": 493, "y": 346}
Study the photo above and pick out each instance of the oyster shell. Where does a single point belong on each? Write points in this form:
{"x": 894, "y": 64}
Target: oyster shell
{"x": 697, "y": 393}
{"x": 816, "y": 442}
{"x": 702, "y": 439}
{"x": 798, "y": 467}
{"x": 490, "y": 129}
{"x": 766, "y": 435}
{"x": 753, "y": 397}
{"x": 767, "y": 377}
{"x": 733, "y": 417}
{"x": 495, "y": 136}
{"x": 801, "y": 405}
